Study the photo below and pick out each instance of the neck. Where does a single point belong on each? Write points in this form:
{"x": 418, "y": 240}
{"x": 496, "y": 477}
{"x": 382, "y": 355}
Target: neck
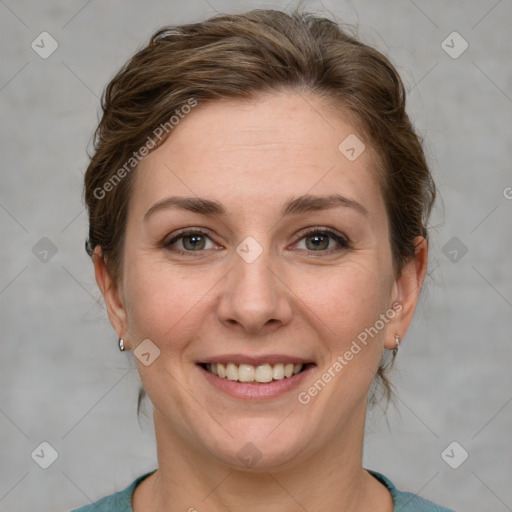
{"x": 331, "y": 479}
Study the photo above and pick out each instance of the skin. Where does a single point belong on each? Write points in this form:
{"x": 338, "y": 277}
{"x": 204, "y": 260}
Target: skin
{"x": 252, "y": 157}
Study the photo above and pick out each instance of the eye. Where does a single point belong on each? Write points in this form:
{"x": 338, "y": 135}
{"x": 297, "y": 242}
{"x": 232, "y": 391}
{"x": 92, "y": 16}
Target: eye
{"x": 190, "y": 241}
{"x": 319, "y": 240}
{"x": 315, "y": 240}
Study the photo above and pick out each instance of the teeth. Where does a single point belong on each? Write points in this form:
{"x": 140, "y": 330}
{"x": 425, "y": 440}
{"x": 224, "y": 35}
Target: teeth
{"x": 250, "y": 373}
{"x": 232, "y": 371}
{"x": 263, "y": 373}
{"x": 278, "y": 371}
{"x": 245, "y": 373}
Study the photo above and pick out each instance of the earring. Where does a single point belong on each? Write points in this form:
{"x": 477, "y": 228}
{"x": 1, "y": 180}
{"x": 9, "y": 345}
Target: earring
{"x": 397, "y": 342}
{"x": 122, "y": 348}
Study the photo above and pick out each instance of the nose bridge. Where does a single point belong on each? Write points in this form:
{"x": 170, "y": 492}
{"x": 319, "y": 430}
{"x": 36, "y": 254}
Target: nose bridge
{"x": 252, "y": 276}
{"x": 253, "y": 295}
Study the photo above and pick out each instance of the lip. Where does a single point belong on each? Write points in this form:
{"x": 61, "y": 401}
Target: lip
{"x": 255, "y": 360}
{"x": 256, "y": 391}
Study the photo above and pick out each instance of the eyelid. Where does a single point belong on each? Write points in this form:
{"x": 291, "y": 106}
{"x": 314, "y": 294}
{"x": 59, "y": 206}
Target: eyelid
{"x": 182, "y": 233}
{"x": 341, "y": 238}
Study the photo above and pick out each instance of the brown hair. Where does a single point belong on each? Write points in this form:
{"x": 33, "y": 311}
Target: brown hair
{"x": 239, "y": 57}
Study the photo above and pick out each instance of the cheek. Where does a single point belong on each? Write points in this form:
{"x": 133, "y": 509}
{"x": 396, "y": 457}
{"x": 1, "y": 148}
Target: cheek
{"x": 164, "y": 302}
{"x": 345, "y": 301}
{"x": 345, "y": 308}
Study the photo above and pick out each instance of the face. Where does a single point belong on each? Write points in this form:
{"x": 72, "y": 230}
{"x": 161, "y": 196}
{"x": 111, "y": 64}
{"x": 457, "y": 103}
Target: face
{"x": 254, "y": 273}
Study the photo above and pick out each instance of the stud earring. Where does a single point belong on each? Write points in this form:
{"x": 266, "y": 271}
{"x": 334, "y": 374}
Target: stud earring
{"x": 122, "y": 348}
{"x": 397, "y": 343}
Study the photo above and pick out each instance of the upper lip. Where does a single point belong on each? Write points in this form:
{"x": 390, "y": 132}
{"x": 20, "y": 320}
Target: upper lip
{"x": 254, "y": 360}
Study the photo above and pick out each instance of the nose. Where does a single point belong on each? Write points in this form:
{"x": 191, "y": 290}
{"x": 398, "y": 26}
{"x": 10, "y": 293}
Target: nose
{"x": 255, "y": 298}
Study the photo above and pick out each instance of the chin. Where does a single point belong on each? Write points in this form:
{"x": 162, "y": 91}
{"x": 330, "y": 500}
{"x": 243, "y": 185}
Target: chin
{"x": 261, "y": 448}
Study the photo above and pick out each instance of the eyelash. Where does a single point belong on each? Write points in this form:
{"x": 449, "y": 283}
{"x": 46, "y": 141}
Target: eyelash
{"x": 342, "y": 241}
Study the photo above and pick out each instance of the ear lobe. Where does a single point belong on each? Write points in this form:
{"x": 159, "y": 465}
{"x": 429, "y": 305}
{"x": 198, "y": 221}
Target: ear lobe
{"x": 407, "y": 290}
{"x": 111, "y": 294}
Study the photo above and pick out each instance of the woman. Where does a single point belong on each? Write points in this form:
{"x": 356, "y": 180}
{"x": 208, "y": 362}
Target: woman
{"x": 258, "y": 204}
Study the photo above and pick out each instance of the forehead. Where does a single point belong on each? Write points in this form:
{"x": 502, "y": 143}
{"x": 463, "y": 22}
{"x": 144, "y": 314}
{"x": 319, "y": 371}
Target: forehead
{"x": 285, "y": 144}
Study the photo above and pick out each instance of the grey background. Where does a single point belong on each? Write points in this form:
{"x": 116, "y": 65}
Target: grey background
{"x": 62, "y": 378}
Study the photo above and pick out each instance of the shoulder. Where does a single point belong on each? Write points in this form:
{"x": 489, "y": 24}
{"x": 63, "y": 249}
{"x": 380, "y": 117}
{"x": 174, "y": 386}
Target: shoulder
{"x": 408, "y": 501}
{"x": 118, "y": 502}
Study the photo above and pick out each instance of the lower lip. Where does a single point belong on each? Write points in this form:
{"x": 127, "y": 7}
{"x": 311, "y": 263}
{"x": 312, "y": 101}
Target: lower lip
{"x": 256, "y": 390}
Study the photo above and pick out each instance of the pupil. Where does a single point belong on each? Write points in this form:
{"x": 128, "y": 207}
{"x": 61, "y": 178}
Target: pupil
{"x": 196, "y": 241}
{"x": 318, "y": 238}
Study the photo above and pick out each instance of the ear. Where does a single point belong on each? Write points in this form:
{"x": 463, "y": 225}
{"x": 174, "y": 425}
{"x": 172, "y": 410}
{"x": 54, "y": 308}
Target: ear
{"x": 406, "y": 291}
{"x": 111, "y": 295}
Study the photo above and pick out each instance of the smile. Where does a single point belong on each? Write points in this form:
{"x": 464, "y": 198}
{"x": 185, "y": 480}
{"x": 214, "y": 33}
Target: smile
{"x": 255, "y": 376}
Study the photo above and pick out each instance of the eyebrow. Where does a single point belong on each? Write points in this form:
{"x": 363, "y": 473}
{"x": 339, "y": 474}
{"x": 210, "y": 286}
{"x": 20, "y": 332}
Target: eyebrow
{"x": 303, "y": 204}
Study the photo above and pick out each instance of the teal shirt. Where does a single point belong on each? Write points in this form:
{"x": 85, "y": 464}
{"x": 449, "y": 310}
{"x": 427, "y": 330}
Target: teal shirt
{"x": 403, "y": 501}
